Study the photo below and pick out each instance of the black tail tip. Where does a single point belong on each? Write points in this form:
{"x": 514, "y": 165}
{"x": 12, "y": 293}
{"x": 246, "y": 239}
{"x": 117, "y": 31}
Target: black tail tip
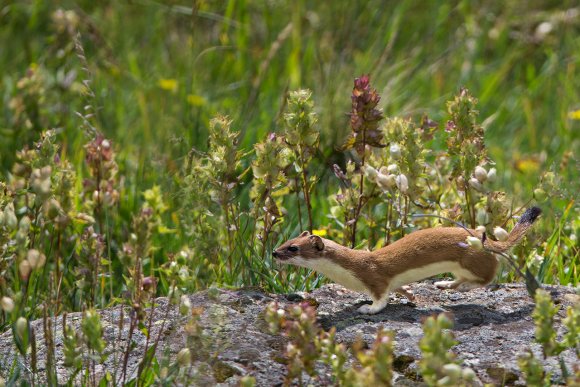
{"x": 530, "y": 215}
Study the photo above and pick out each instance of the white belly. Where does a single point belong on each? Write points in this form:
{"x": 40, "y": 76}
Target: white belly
{"x": 333, "y": 271}
{"x": 430, "y": 270}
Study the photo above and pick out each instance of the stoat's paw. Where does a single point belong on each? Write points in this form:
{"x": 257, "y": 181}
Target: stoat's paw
{"x": 445, "y": 284}
{"x": 369, "y": 309}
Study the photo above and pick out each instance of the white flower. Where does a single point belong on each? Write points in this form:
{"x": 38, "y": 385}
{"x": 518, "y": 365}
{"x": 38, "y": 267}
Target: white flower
{"x": 476, "y": 185}
{"x": 480, "y": 229}
{"x": 492, "y": 175}
{"x": 402, "y": 183}
{"x": 480, "y": 174}
{"x": 500, "y": 234}
{"x": 474, "y": 242}
{"x": 7, "y": 304}
{"x": 370, "y": 172}
{"x": 395, "y": 150}
{"x": 386, "y": 181}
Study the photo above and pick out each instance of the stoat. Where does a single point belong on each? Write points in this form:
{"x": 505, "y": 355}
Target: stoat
{"x": 417, "y": 256}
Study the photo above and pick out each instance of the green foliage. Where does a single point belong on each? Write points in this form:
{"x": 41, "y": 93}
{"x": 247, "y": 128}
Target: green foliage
{"x": 545, "y": 335}
{"x": 438, "y": 365}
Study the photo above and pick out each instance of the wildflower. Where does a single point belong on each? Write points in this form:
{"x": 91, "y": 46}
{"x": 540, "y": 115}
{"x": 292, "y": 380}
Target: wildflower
{"x": 386, "y": 181}
{"x": 364, "y": 117}
{"x": 480, "y": 174}
{"x": 370, "y": 172}
{"x": 540, "y": 195}
{"x": 168, "y": 84}
{"x": 476, "y": 185}
{"x": 7, "y": 304}
{"x": 184, "y": 357}
{"x": 402, "y": 183}
{"x": 35, "y": 258}
{"x": 395, "y": 150}
{"x": 492, "y": 175}
{"x": 21, "y": 327}
{"x": 24, "y": 268}
{"x": 500, "y": 234}
{"x": 474, "y": 242}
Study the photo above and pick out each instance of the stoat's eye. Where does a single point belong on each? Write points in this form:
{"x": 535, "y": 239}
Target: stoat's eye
{"x": 293, "y": 248}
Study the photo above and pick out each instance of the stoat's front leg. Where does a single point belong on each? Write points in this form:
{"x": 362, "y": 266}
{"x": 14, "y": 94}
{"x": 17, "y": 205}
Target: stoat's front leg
{"x": 377, "y": 305}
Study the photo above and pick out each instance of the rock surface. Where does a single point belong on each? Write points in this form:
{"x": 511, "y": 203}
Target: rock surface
{"x": 492, "y": 325}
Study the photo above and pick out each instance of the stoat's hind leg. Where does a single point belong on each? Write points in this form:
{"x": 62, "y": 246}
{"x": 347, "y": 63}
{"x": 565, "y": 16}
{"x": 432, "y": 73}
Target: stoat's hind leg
{"x": 405, "y": 291}
{"x": 376, "y": 306}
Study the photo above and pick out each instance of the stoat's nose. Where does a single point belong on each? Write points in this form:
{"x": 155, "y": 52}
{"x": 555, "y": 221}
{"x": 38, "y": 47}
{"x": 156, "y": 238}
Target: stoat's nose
{"x": 274, "y": 254}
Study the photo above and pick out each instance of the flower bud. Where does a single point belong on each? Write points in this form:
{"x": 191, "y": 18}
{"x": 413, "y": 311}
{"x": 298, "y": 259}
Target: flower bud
{"x": 386, "y": 182}
{"x": 452, "y": 370}
{"x": 21, "y": 327}
{"x": 7, "y": 304}
{"x": 500, "y": 234}
{"x": 468, "y": 374}
{"x": 492, "y": 175}
{"x": 480, "y": 174}
{"x": 35, "y": 258}
{"x": 184, "y": 357}
{"x": 24, "y": 224}
{"x": 540, "y": 195}
{"x": 476, "y": 185}
{"x": 474, "y": 242}
{"x": 184, "y": 305}
{"x": 370, "y": 172}
{"x": 480, "y": 229}
{"x": 24, "y": 268}
{"x": 395, "y": 150}
{"x": 10, "y": 219}
{"x": 393, "y": 168}
{"x": 402, "y": 183}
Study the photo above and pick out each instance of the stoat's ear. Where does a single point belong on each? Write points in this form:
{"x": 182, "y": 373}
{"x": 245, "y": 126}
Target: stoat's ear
{"x": 304, "y": 233}
{"x": 316, "y": 242}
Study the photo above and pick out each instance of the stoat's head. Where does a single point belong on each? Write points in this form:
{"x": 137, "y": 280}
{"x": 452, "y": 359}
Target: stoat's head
{"x": 300, "y": 250}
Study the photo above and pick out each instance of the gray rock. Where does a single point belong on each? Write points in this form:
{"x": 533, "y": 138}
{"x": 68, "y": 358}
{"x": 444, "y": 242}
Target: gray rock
{"x": 492, "y": 326}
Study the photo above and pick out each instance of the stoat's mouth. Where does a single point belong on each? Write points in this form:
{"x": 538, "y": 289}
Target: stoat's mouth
{"x": 282, "y": 259}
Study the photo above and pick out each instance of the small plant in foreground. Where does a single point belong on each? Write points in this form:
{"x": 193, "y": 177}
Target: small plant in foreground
{"x": 439, "y": 366}
{"x": 543, "y": 314}
{"x": 310, "y": 344}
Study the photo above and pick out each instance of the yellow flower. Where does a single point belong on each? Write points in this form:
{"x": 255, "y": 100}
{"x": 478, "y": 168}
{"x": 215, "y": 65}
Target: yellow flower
{"x": 319, "y": 232}
{"x": 195, "y": 100}
{"x": 168, "y": 84}
{"x": 574, "y": 115}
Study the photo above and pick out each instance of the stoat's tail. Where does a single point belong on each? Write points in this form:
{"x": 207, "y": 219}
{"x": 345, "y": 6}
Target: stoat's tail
{"x": 517, "y": 233}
